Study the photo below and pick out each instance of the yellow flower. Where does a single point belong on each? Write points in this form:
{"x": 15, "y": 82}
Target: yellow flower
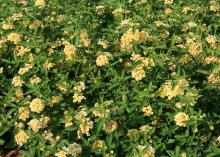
{"x": 7, "y": 26}
{"x": 98, "y": 144}
{"x": 138, "y": 73}
{"x": 110, "y": 126}
{"x": 168, "y": 1}
{"x": 74, "y": 149}
{"x": 80, "y": 87}
{"x": 181, "y": 118}
{"x": 24, "y": 113}
{"x": 84, "y": 128}
{"x": 37, "y": 105}
{"x": 61, "y": 153}
{"x": 16, "y": 81}
{"x": 69, "y": 51}
{"x": 40, "y": 3}
{"x": 148, "y": 111}
{"x": 21, "y": 137}
{"x": 20, "y": 50}
{"x": 78, "y": 98}
{"x": 35, "y": 124}
{"x": 84, "y": 38}
{"x": 102, "y": 60}
{"x": 1, "y": 70}
{"x": 47, "y": 65}
{"x": 14, "y": 37}
{"x": 35, "y": 80}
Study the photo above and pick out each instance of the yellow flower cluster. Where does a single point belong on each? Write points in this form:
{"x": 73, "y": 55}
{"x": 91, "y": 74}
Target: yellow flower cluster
{"x": 138, "y": 73}
{"x": 20, "y": 50}
{"x": 84, "y": 128}
{"x": 17, "y": 81}
{"x": 214, "y": 76}
{"x": 211, "y": 40}
{"x": 37, "y": 105}
{"x": 84, "y": 38}
{"x": 103, "y": 43}
{"x": 133, "y": 36}
{"x": 149, "y": 153}
{"x": 98, "y": 144}
{"x": 25, "y": 69}
{"x": 40, "y": 3}
{"x": 168, "y": 1}
{"x": 194, "y": 47}
{"x": 78, "y": 98}
{"x": 73, "y": 149}
{"x": 21, "y": 137}
{"x": 170, "y": 92}
{"x": 181, "y": 118}
{"x": 24, "y": 113}
{"x": 69, "y": 51}
{"x": 110, "y": 126}
{"x": 14, "y": 37}
{"x": 102, "y": 60}
{"x": 148, "y": 111}
{"x": 34, "y": 80}
{"x": 35, "y": 125}
{"x": 7, "y": 26}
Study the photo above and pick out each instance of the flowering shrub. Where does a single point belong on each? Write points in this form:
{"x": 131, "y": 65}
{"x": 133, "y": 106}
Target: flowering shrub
{"x": 110, "y": 78}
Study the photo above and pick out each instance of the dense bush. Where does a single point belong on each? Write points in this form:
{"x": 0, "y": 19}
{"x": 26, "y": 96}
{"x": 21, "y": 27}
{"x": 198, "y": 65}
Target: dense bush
{"x": 110, "y": 78}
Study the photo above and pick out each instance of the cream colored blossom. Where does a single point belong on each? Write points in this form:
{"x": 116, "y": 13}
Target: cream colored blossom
{"x": 17, "y": 81}
{"x": 24, "y": 113}
{"x": 98, "y": 144}
{"x": 102, "y": 60}
{"x": 21, "y": 50}
{"x": 14, "y": 37}
{"x": 168, "y": 11}
{"x": 110, "y": 126}
{"x": 211, "y": 40}
{"x": 61, "y": 153}
{"x": 44, "y": 121}
{"x": 63, "y": 87}
{"x": 178, "y": 105}
{"x": 186, "y": 9}
{"x": 69, "y": 51}
{"x": 34, "y": 80}
{"x": 181, "y": 118}
{"x": 168, "y": 1}
{"x": 37, "y": 105}
{"x": 214, "y": 7}
{"x": 78, "y": 98}
{"x": 194, "y": 47}
{"x": 148, "y": 111}
{"x": 103, "y": 43}
{"x": 48, "y": 65}
{"x": 74, "y": 149}
{"x": 81, "y": 115}
{"x": 1, "y": 70}
{"x": 218, "y": 139}
{"x": 168, "y": 91}
{"x": 35, "y": 125}
{"x": 40, "y": 3}
{"x": 7, "y": 26}
{"x": 84, "y": 38}
{"x": 84, "y": 128}
{"x": 131, "y": 36}
{"x": 56, "y": 99}
{"x": 138, "y": 73}
{"x": 80, "y": 87}
{"x": 149, "y": 153}
{"x": 21, "y": 137}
